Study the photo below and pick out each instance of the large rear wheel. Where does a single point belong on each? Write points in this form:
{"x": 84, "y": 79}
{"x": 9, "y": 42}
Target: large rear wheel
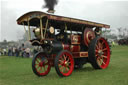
{"x": 64, "y": 63}
{"x": 40, "y": 64}
{"x": 99, "y": 53}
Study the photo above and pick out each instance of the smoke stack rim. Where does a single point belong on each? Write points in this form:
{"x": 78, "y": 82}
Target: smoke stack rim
{"x": 51, "y": 11}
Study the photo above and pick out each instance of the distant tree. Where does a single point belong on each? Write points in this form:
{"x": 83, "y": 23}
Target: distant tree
{"x": 123, "y": 32}
{"x": 5, "y": 41}
{"x": 106, "y": 33}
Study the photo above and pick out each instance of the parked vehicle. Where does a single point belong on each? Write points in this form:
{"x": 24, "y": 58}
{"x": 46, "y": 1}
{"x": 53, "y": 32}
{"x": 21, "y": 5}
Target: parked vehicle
{"x": 67, "y": 43}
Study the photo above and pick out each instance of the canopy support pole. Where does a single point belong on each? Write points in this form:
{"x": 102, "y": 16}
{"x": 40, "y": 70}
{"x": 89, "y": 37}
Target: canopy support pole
{"x": 46, "y": 26}
{"x": 27, "y": 35}
{"x": 29, "y": 30}
{"x": 66, "y": 28}
{"x": 41, "y": 28}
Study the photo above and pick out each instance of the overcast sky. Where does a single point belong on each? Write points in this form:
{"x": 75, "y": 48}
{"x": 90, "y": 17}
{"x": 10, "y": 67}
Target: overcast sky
{"x": 112, "y": 12}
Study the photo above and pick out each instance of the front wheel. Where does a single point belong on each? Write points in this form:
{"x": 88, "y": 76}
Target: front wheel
{"x": 40, "y": 64}
{"x": 99, "y": 53}
{"x": 64, "y": 63}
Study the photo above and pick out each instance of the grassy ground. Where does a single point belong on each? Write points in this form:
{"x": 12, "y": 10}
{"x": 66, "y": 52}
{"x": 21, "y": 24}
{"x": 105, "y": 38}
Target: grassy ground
{"x": 18, "y": 71}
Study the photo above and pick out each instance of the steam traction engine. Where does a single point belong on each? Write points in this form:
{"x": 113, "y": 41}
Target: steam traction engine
{"x": 67, "y": 43}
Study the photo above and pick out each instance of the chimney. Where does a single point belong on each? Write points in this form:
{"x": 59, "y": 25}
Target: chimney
{"x": 51, "y": 11}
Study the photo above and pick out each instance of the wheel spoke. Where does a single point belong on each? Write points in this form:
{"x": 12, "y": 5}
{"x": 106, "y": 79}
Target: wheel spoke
{"x": 64, "y": 57}
{"x": 60, "y": 64}
{"x": 104, "y": 56}
{"x": 102, "y": 43}
{"x": 40, "y": 69}
{"x": 61, "y": 68}
{"x": 104, "y": 49}
{"x": 68, "y": 59}
{"x": 100, "y": 46}
{"x": 37, "y": 60}
{"x": 61, "y": 58}
{"x": 99, "y": 61}
{"x": 96, "y": 54}
{"x": 67, "y": 69}
{"x": 44, "y": 68}
{"x": 69, "y": 63}
{"x": 102, "y": 61}
{"x": 46, "y": 63}
{"x": 61, "y": 61}
{"x": 37, "y": 66}
{"x": 40, "y": 58}
{"x": 96, "y": 50}
{"x": 97, "y": 46}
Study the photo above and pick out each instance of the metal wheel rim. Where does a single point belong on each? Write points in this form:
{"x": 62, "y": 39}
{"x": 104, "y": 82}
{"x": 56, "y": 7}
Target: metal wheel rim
{"x": 65, "y": 63}
{"x": 42, "y": 65}
{"x": 102, "y": 53}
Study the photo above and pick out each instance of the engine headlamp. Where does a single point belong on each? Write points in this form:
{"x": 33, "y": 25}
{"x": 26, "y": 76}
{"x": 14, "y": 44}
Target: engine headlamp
{"x": 51, "y": 30}
{"x": 37, "y": 32}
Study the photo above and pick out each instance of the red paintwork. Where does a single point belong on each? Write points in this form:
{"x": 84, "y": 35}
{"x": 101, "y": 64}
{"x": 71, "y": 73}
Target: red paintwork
{"x": 71, "y": 48}
{"x": 42, "y": 66}
{"x": 75, "y": 39}
{"x": 76, "y": 55}
{"x": 88, "y": 36}
{"x": 83, "y": 54}
{"x": 103, "y": 47}
{"x": 66, "y": 64}
{"x": 75, "y": 48}
{"x": 66, "y": 47}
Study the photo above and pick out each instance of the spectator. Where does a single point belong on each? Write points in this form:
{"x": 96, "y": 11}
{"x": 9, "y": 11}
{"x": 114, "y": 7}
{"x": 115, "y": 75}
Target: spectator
{"x": 113, "y": 43}
{"x": 13, "y": 51}
{"x": 27, "y": 51}
{"x": 4, "y": 51}
{"x": 9, "y": 51}
{"x": 17, "y": 52}
{"x": 0, "y": 51}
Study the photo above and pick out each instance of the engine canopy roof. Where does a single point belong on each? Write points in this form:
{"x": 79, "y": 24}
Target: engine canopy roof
{"x": 30, "y": 16}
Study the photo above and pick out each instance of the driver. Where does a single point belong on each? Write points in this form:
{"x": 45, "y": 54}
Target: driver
{"x": 62, "y": 35}
{"x": 97, "y": 31}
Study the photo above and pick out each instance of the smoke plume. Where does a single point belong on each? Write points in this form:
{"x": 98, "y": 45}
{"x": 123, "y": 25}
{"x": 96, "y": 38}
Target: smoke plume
{"x": 50, "y": 4}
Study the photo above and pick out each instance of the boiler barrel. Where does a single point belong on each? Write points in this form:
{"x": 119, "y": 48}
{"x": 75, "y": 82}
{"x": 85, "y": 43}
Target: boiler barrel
{"x": 58, "y": 46}
{"x": 71, "y": 48}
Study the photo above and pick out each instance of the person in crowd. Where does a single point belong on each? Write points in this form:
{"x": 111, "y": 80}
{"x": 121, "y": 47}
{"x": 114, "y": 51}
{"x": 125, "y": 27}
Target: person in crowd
{"x": 22, "y": 50}
{"x": 9, "y": 51}
{"x": 17, "y": 52}
{"x": 0, "y": 51}
{"x": 113, "y": 43}
{"x": 14, "y": 51}
{"x": 4, "y": 51}
{"x": 27, "y": 50}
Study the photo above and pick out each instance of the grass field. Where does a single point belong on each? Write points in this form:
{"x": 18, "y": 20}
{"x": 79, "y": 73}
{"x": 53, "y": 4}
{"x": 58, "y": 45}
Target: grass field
{"x": 18, "y": 71}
